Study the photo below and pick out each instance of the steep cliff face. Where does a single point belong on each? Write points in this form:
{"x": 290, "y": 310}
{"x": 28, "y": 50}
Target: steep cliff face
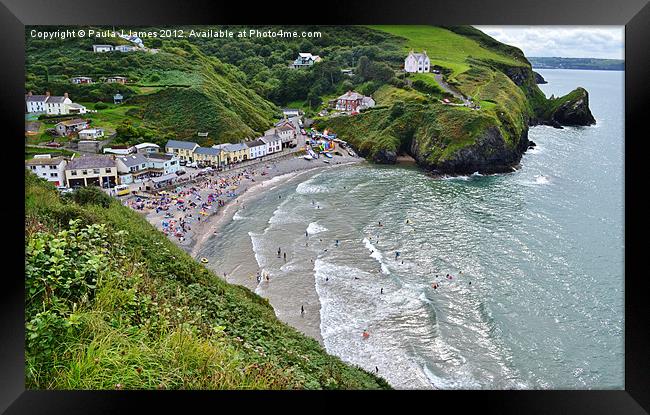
{"x": 539, "y": 79}
{"x": 490, "y": 153}
{"x": 571, "y": 109}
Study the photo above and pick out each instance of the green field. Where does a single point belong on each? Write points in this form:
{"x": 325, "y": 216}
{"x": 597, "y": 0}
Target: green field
{"x": 388, "y": 94}
{"x": 445, "y": 48}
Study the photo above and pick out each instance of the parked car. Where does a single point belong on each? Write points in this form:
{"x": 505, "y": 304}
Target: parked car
{"x": 54, "y": 144}
{"x": 180, "y": 172}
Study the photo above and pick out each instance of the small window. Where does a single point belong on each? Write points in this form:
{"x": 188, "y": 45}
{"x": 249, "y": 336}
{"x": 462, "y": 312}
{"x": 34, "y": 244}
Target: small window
{"x": 54, "y": 175}
{"x": 95, "y": 171}
{"x": 107, "y": 170}
{"x": 84, "y": 172}
{"x": 73, "y": 172}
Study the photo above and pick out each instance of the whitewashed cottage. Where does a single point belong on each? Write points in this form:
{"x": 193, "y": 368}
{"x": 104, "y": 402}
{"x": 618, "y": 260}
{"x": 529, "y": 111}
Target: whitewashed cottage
{"x": 417, "y": 62}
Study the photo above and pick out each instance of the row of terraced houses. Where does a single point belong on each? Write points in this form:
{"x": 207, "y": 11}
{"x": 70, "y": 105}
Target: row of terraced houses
{"x": 283, "y": 135}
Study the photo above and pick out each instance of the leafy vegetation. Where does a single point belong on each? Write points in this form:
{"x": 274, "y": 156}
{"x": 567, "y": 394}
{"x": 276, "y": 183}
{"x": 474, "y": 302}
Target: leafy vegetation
{"x": 111, "y": 303}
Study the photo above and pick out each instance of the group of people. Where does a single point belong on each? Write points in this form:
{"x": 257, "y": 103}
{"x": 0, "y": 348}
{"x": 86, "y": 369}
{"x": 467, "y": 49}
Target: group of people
{"x": 188, "y": 203}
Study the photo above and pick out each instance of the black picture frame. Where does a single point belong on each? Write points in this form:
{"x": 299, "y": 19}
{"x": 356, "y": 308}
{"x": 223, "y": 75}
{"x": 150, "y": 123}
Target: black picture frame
{"x": 16, "y": 14}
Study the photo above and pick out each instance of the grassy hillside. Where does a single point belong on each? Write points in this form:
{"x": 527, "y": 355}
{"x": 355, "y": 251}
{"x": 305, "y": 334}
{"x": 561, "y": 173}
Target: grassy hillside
{"x": 446, "y": 48}
{"x": 111, "y": 303}
{"x": 176, "y": 92}
{"x": 475, "y": 65}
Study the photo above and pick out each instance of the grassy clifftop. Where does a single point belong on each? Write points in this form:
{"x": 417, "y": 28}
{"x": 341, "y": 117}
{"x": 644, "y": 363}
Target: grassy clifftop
{"x": 111, "y": 303}
{"x": 455, "y": 139}
{"x": 178, "y": 91}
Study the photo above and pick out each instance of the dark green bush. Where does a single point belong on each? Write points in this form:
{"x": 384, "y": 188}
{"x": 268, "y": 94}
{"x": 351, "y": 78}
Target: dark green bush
{"x": 91, "y": 195}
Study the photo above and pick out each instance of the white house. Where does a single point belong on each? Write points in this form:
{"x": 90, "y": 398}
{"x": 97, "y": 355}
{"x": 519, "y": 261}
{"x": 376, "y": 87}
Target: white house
{"x": 57, "y": 105}
{"x": 75, "y": 108}
{"x": 132, "y": 168}
{"x": 147, "y": 148}
{"x": 116, "y": 80}
{"x": 68, "y": 127}
{"x": 102, "y": 48}
{"x": 161, "y": 164}
{"x": 291, "y": 112}
{"x": 417, "y": 62}
{"x": 36, "y": 103}
{"x": 48, "y": 168}
{"x": 120, "y": 150}
{"x": 256, "y": 148}
{"x": 82, "y": 80}
{"x": 91, "y": 133}
{"x": 305, "y": 60}
{"x": 273, "y": 143}
{"x": 286, "y": 131}
{"x": 124, "y": 48}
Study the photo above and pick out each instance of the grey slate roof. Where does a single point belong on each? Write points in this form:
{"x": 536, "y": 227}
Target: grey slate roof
{"x": 55, "y": 100}
{"x": 351, "y": 96}
{"x": 255, "y": 143}
{"x": 90, "y": 162}
{"x": 73, "y": 122}
{"x": 270, "y": 137}
{"x": 36, "y": 98}
{"x": 133, "y": 160}
{"x": 236, "y": 147}
{"x": 44, "y": 161}
{"x": 208, "y": 151}
{"x": 160, "y": 156}
{"x": 187, "y": 145}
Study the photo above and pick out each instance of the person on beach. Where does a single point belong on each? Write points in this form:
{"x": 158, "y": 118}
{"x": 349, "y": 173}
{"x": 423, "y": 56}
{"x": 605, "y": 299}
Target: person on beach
{"x": 337, "y": 242}
{"x": 285, "y": 257}
{"x": 279, "y": 252}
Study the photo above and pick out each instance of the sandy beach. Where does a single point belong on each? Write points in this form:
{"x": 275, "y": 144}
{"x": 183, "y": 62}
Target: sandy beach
{"x": 211, "y": 202}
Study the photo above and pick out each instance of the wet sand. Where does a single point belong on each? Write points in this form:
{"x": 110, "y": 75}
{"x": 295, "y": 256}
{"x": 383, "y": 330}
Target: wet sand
{"x": 285, "y": 296}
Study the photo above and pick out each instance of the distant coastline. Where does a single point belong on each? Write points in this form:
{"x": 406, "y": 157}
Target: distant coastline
{"x": 577, "y": 63}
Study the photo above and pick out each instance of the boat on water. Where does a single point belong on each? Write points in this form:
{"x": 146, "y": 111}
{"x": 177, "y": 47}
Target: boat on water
{"x": 204, "y": 260}
{"x": 326, "y": 161}
{"x": 307, "y": 157}
{"x": 351, "y": 153}
{"x": 328, "y": 155}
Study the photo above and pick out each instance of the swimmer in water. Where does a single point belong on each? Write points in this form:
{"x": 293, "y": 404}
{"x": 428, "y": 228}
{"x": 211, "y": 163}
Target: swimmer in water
{"x": 382, "y": 291}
